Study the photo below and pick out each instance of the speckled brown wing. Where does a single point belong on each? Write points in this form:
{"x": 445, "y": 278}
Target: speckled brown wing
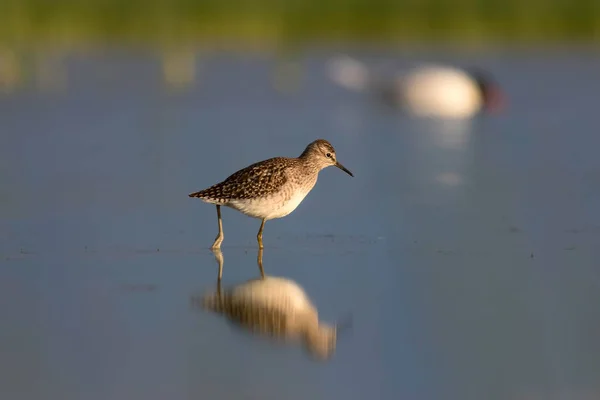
{"x": 256, "y": 180}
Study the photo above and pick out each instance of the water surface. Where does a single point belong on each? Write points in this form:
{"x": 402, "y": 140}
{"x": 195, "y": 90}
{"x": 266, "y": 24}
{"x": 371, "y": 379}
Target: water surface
{"x": 467, "y": 252}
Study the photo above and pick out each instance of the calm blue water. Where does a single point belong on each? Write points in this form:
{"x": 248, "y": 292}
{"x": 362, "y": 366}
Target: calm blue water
{"x": 467, "y": 253}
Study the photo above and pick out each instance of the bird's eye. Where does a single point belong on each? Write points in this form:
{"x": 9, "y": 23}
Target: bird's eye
{"x": 328, "y": 155}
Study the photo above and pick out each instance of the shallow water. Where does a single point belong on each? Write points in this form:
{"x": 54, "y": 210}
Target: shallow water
{"x": 467, "y": 253}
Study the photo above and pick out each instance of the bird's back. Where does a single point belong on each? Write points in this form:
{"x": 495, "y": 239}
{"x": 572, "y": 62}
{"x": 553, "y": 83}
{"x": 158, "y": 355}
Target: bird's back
{"x": 256, "y": 180}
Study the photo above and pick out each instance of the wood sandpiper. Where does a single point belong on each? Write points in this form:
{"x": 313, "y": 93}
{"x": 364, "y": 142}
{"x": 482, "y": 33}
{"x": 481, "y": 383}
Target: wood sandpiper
{"x": 271, "y": 188}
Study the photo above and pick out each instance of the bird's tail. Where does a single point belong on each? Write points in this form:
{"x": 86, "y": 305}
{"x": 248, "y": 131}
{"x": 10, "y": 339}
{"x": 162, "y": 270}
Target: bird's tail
{"x": 212, "y": 195}
{"x": 349, "y": 73}
{"x": 196, "y": 194}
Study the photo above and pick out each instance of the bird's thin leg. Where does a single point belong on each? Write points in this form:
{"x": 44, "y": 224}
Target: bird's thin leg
{"x": 259, "y": 235}
{"x": 220, "y": 236}
{"x": 260, "y": 262}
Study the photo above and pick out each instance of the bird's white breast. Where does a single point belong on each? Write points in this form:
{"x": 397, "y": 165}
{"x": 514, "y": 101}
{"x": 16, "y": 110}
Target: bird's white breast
{"x": 441, "y": 92}
{"x": 290, "y": 205}
{"x": 277, "y": 205}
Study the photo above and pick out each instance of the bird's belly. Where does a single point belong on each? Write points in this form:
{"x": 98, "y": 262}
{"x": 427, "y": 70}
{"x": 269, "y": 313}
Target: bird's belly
{"x": 269, "y": 207}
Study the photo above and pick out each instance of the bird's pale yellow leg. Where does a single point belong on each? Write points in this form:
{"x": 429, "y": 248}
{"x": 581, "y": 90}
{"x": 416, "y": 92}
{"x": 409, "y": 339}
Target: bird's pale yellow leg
{"x": 260, "y": 262}
{"x": 259, "y": 235}
{"x": 220, "y": 236}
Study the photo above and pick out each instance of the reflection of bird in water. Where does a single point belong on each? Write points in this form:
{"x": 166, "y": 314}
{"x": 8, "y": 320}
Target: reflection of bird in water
{"x": 219, "y": 257}
{"x": 275, "y": 307}
{"x": 426, "y": 91}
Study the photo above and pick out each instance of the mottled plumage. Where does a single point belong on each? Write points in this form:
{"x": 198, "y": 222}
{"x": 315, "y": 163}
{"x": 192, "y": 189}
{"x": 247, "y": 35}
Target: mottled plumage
{"x": 257, "y": 180}
{"x": 271, "y": 188}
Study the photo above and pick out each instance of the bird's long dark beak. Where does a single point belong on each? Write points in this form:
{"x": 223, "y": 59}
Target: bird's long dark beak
{"x": 340, "y": 166}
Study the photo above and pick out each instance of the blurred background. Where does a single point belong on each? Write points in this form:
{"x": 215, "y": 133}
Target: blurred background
{"x": 466, "y": 247}
{"x": 268, "y": 23}
{"x": 38, "y": 35}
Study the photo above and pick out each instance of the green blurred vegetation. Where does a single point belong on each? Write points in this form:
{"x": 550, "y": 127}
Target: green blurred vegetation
{"x": 275, "y": 22}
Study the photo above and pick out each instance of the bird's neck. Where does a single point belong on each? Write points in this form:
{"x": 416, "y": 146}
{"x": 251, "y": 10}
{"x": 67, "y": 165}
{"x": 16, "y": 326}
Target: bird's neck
{"x": 310, "y": 163}
{"x": 307, "y": 153}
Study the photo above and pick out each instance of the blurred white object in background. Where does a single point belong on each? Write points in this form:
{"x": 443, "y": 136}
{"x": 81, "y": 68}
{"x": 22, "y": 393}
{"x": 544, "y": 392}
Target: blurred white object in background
{"x": 425, "y": 91}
